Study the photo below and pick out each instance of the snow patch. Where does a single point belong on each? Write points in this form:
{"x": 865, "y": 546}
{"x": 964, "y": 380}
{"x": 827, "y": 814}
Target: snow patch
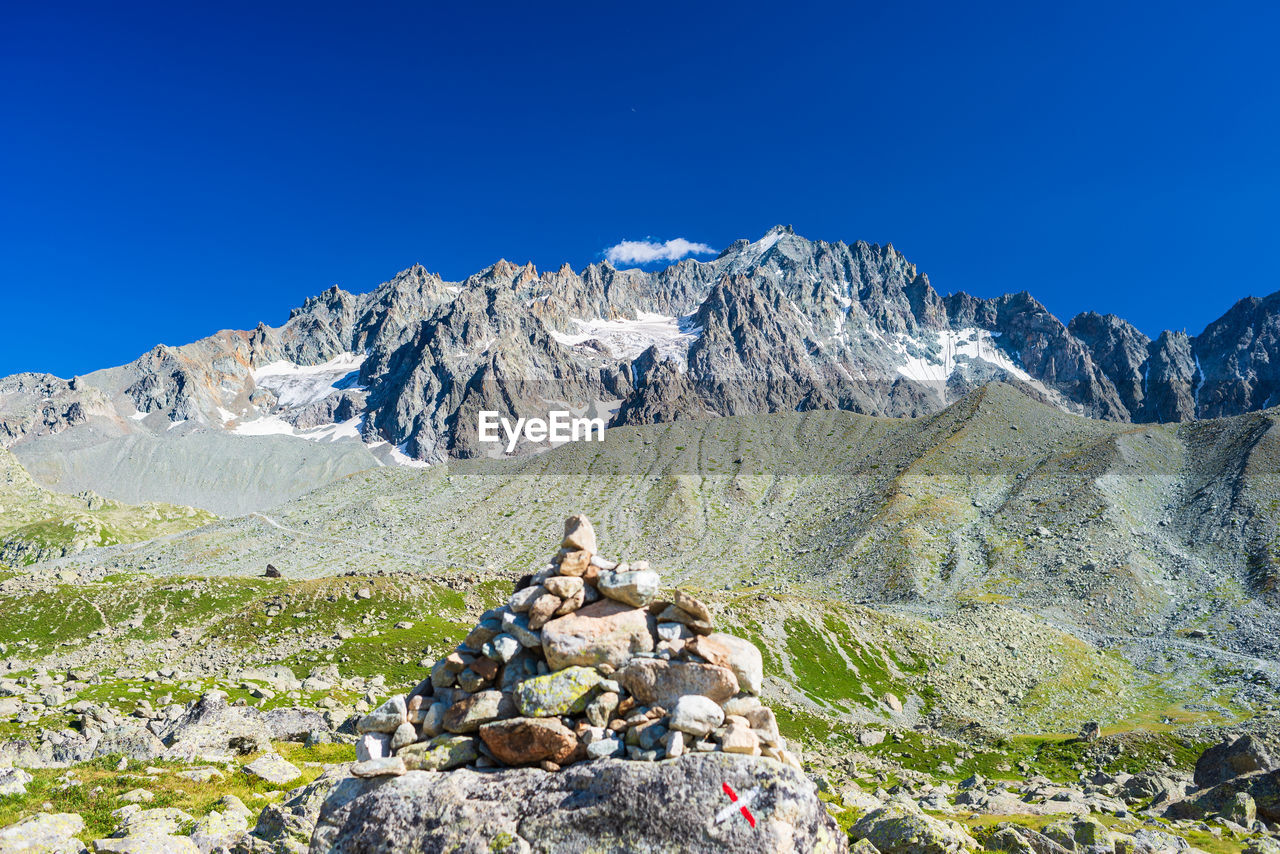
{"x": 273, "y": 425}
{"x": 138, "y": 416}
{"x": 766, "y": 243}
{"x": 751, "y": 254}
{"x": 948, "y": 349}
{"x": 626, "y": 339}
{"x": 401, "y": 458}
{"x": 299, "y": 385}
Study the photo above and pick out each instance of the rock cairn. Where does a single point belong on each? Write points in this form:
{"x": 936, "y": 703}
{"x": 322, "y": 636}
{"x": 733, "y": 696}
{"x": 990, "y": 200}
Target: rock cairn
{"x": 588, "y": 659}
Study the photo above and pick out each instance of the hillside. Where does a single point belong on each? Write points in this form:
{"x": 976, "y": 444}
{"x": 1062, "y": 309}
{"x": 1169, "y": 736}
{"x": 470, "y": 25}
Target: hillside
{"x": 1115, "y": 528}
{"x": 36, "y": 524}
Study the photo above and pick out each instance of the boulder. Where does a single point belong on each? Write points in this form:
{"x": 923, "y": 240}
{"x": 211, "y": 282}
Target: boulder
{"x": 293, "y": 724}
{"x": 13, "y": 781}
{"x": 655, "y": 682}
{"x": 287, "y": 826}
{"x": 220, "y": 829}
{"x": 273, "y": 768}
{"x": 562, "y": 692}
{"x": 1262, "y": 787}
{"x": 1231, "y": 759}
{"x": 43, "y": 833}
{"x": 1148, "y": 786}
{"x": 525, "y": 741}
{"x": 147, "y": 843}
{"x": 132, "y": 742}
{"x": 212, "y": 727}
{"x": 468, "y": 714}
{"x": 605, "y": 632}
{"x": 635, "y": 587}
{"x": 607, "y": 805}
{"x": 901, "y": 827}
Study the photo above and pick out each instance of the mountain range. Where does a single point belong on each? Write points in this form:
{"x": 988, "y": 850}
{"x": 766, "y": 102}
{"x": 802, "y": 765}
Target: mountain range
{"x": 399, "y": 374}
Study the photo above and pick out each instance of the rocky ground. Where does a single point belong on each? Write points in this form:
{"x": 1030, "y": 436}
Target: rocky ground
{"x": 206, "y": 712}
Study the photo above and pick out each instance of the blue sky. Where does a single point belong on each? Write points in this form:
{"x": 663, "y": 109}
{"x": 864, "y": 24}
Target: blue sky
{"x": 167, "y": 170}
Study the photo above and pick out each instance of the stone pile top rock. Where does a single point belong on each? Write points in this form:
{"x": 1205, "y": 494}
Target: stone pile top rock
{"x": 588, "y": 659}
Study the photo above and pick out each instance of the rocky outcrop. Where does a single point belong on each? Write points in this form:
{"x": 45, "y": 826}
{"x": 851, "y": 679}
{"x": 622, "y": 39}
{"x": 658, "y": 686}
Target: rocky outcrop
{"x": 1120, "y": 352}
{"x": 44, "y": 833}
{"x": 901, "y": 827}
{"x": 1230, "y": 759}
{"x": 1239, "y": 359}
{"x": 607, "y": 805}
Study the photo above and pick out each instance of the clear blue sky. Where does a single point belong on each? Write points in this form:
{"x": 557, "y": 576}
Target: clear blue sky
{"x": 170, "y": 169}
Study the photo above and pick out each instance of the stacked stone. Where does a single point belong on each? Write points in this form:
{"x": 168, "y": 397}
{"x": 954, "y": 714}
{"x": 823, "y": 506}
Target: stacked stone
{"x": 586, "y": 660}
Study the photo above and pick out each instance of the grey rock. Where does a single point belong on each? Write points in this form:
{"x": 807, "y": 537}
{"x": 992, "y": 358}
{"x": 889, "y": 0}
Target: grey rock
{"x": 696, "y": 715}
{"x": 636, "y": 588}
{"x": 133, "y": 742}
{"x": 388, "y": 766}
{"x": 273, "y": 768}
{"x": 13, "y": 781}
{"x": 1229, "y": 759}
{"x": 900, "y": 827}
{"x": 210, "y": 726}
{"x": 609, "y": 804}
{"x": 43, "y": 833}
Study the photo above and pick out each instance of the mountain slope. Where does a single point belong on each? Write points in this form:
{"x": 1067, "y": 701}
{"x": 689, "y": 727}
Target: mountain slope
{"x": 1116, "y": 528}
{"x": 36, "y": 524}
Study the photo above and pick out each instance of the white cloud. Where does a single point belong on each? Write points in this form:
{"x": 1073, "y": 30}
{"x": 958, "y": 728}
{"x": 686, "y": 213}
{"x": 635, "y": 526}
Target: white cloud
{"x": 648, "y": 251}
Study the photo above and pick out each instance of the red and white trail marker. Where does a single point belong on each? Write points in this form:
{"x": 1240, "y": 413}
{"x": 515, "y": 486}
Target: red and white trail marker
{"x": 738, "y": 806}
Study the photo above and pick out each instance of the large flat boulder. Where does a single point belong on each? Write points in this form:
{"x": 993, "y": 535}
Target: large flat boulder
{"x": 211, "y": 727}
{"x": 606, "y": 632}
{"x": 43, "y": 833}
{"x": 607, "y": 805}
{"x": 655, "y": 682}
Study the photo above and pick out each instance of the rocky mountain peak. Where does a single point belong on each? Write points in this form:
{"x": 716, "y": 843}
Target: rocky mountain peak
{"x": 781, "y": 322}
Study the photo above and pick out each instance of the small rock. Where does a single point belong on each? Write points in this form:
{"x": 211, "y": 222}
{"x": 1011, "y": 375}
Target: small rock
{"x": 696, "y": 715}
{"x": 469, "y": 714}
{"x": 525, "y": 741}
{"x": 633, "y": 587}
{"x": 440, "y": 753}
{"x": 579, "y": 534}
{"x": 273, "y": 768}
{"x": 387, "y": 766}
